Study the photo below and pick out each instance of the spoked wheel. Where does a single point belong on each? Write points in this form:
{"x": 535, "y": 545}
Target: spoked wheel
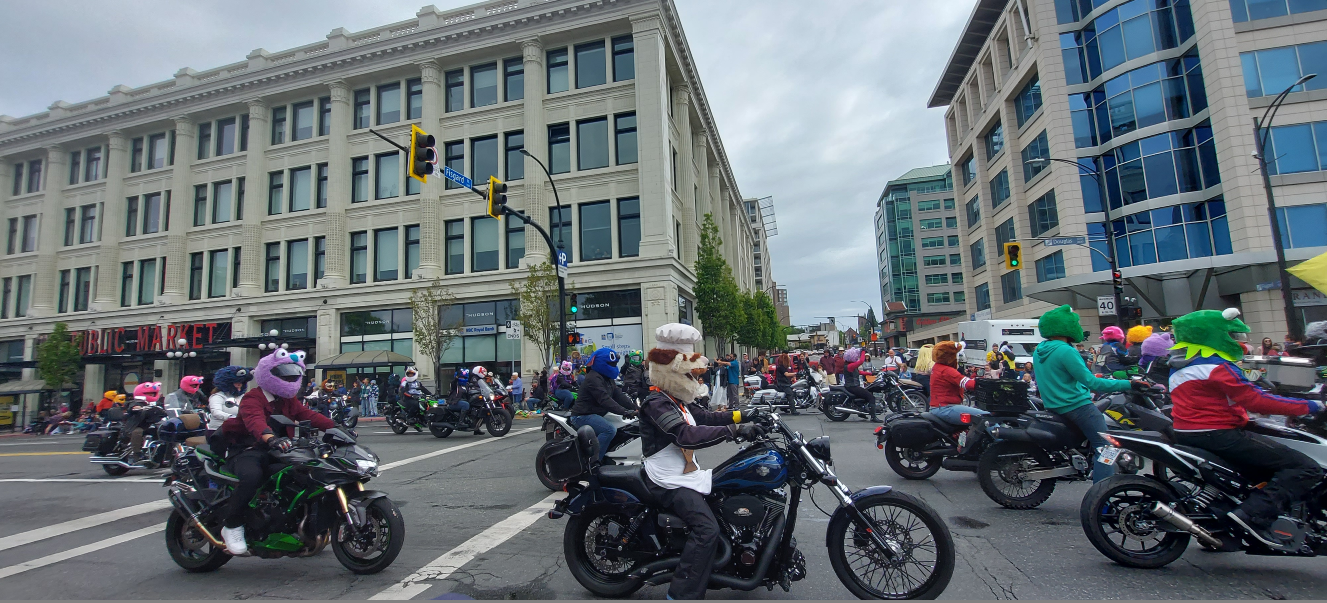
{"x": 834, "y": 415}
{"x": 1003, "y": 471}
{"x": 1117, "y": 517}
{"x": 440, "y": 432}
{"x": 909, "y": 463}
{"x": 541, "y": 468}
{"x": 920, "y": 558}
{"x": 916, "y": 401}
{"x": 498, "y": 423}
{"x": 587, "y": 543}
{"x": 189, "y": 548}
{"x": 378, "y": 542}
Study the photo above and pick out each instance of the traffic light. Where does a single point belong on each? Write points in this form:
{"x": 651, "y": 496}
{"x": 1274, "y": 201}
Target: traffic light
{"x": 1013, "y": 256}
{"x": 497, "y": 196}
{"x": 1117, "y": 281}
{"x": 422, "y": 154}
{"x": 571, "y": 303}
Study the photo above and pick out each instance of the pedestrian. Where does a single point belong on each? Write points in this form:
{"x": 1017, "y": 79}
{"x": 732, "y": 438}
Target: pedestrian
{"x": 1266, "y": 346}
{"x": 921, "y": 371}
{"x": 371, "y": 396}
{"x": 517, "y": 389}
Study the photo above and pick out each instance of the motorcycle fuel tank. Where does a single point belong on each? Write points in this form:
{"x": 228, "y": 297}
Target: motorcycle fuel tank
{"x": 756, "y": 468}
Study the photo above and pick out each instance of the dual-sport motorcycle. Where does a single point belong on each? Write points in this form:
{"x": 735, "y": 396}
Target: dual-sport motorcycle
{"x": 623, "y": 450}
{"x": 314, "y": 497}
{"x": 881, "y": 543}
{"x": 1148, "y": 521}
{"x": 889, "y": 392}
{"x": 487, "y": 408}
{"x": 167, "y": 434}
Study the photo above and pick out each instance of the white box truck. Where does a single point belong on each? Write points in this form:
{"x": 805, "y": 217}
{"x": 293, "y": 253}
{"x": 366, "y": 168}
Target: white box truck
{"x": 985, "y": 335}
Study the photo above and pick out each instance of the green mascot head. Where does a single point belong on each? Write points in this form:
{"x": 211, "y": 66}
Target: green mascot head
{"x": 1061, "y": 322}
{"x": 1209, "y": 332}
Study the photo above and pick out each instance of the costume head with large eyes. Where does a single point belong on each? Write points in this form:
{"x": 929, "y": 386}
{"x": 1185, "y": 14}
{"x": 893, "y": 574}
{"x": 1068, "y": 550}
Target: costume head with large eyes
{"x": 150, "y": 391}
{"x": 232, "y": 380}
{"x": 280, "y": 373}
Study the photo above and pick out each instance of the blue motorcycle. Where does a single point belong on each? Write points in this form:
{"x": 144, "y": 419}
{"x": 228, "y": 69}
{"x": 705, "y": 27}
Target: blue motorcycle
{"x": 882, "y": 544}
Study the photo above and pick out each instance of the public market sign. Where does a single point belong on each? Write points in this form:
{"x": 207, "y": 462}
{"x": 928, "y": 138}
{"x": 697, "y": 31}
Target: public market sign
{"x": 150, "y": 338}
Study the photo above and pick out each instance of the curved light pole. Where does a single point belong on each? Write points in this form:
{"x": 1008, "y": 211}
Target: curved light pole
{"x": 1261, "y": 130}
{"x": 872, "y": 309}
{"x": 562, "y": 281}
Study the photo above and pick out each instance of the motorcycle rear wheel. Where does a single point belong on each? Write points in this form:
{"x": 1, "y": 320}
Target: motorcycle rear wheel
{"x": 499, "y": 423}
{"x": 594, "y": 572}
{"x": 910, "y": 468}
{"x": 999, "y": 473}
{"x": 834, "y": 415}
{"x": 917, "y": 530}
{"x": 541, "y": 470}
{"x": 191, "y": 550}
{"x": 1121, "y": 507}
{"x": 440, "y": 432}
{"x": 385, "y": 520}
{"x": 351, "y": 422}
{"x": 115, "y": 470}
{"x": 398, "y": 426}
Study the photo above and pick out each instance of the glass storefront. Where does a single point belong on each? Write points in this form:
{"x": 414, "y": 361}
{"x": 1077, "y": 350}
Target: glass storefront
{"x": 612, "y": 319}
{"x": 481, "y": 339}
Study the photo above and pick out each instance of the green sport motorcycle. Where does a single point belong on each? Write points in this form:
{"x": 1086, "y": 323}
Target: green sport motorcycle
{"x": 314, "y": 497}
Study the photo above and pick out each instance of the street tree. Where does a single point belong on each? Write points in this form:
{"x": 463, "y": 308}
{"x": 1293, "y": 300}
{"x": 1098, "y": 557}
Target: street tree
{"x": 58, "y": 357}
{"x": 720, "y": 305}
{"x": 433, "y": 336}
{"x": 539, "y": 308}
{"x": 871, "y": 322}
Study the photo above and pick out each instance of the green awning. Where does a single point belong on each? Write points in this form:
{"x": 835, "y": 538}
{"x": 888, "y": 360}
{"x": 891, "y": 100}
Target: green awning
{"x": 364, "y": 359}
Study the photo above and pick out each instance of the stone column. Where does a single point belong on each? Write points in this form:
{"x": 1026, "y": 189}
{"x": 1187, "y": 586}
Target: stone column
{"x": 255, "y": 200}
{"x": 430, "y": 199}
{"x": 685, "y": 173}
{"x": 49, "y": 239}
{"x": 712, "y": 193}
{"x": 653, "y": 132}
{"x": 116, "y": 165}
{"x": 175, "y": 286}
{"x": 700, "y": 157}
{"x": 337, "y": 272}
{"x": 536, "y": 142}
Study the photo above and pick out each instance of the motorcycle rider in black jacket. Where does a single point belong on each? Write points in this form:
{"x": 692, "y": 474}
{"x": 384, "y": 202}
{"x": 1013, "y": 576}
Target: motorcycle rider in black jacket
{"x": 412, "y": 391}
{"x": 635, "y": 381}
{"x": 600, "y": 395}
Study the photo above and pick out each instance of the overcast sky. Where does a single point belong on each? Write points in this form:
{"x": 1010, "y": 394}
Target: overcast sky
{"x": 818, "y": 103}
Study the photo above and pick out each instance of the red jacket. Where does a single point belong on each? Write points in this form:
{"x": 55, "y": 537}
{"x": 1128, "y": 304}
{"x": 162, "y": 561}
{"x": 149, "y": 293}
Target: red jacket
{"x": 1211, "y": 393}
{"x": 256, "y": 408}
{"x": 948, "y": 385}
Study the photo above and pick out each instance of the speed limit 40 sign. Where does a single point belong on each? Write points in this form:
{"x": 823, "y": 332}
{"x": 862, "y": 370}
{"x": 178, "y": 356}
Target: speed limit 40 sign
{"x": 1106, "y": 305}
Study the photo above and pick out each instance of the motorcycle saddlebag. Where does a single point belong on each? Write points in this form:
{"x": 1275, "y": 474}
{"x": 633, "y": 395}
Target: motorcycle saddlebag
{"x": 909, "y": 432}
{"x": 563, "y": 461}
{"x": 101, "y": 442}
{"x": 179, "y": 429}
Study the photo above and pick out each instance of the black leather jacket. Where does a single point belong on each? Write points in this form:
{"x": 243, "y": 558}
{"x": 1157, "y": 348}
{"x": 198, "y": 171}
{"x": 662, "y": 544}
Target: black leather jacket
{"x": 599, "y": 396}
{"x": 662, "y": 424}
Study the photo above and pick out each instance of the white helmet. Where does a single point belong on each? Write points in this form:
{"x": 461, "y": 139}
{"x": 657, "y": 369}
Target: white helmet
{"x": 479, "y": 372}
{"x": 411, "y": 374}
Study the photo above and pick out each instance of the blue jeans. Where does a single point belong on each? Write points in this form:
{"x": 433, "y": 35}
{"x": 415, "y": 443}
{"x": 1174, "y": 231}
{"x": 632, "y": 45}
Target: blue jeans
{"x": 564, "y": 398}
{"x": 952, "y": 414}
{"x": 1093, "y": 424}
{"x": 462, "y": 407}
{"x": 601, "y": 428}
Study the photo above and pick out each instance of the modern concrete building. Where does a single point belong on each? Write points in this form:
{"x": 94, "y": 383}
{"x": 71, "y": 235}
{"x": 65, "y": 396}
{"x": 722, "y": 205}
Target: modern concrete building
{"x": 918, "y": 247}
{"x": 781, "y": 305}
{"x": 760, "y": 215}
{"x": 1159, "y": 101}
{"x": 221, "y": 204}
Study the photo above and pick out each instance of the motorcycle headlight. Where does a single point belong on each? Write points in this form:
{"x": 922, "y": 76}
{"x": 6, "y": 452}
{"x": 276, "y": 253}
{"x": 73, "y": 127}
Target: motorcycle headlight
{"x": 367, "y": 466}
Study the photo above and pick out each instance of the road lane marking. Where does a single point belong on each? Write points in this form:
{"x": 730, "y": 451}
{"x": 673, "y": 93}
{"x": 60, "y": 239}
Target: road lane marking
{"x": 6, "y": 572}
{"x": 70, "y": 480}
{"x": 430, "y": 455}
{"x": 40, "y": 453}
{"x": 449, "y": 562}
{"x": 9, "y": 542}
{"x": 40, "y": 443}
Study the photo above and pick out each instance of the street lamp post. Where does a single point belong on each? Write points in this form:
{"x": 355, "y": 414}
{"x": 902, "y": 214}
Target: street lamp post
{"x": 873, "y": 344}
{"x": 1261, "y": 130}
{"x": 562, "y": 281}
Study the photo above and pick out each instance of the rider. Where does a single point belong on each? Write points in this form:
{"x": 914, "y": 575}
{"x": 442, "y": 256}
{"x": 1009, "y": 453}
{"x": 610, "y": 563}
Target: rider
{"x": 478, "y": 375}
{"x": 1153, "y": 357}
{"x": 1066, "y": 385}
{"x": 1114, "y": 350}
{"x": 853, "y": 385}
{"x": 600, "y": 395}
{"x": 187, "y": 398}
{"x": 784, "y": 372}
{"x": 144, "y": 410}
{"x": 948, "y": 385}
{"x": 672, "y": 428}
{"x": 278, "y": 378}
{"x": 563, "y": 383}
{"x": 229, "y": 383}
{"x": 634, "y": 380}
{"x": 1212, "y": 397}
{"x": 412, "y": 391}
{"x": 1135, "y": 337}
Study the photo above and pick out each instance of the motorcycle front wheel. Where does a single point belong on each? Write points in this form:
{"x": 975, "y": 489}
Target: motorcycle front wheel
{"x": 351, "y": 422}
{"x": 1002, "y": 471}
{"x": 923, "y": 549}
{"x": 440, "y": 432}
{"x": 585, "y": 545}
{"x": 115, "y": 470}
{"x": 190, "y": 549}
{"x": 371, "y": 552}
{"x": 498, "y": 423}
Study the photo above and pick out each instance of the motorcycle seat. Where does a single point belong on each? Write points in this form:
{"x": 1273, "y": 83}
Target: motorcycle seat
{"x": 631, "y": 478}
{"x": 938, "y": 422}
{"x": 837, "y": 388}
{"x": 196, "y": 441}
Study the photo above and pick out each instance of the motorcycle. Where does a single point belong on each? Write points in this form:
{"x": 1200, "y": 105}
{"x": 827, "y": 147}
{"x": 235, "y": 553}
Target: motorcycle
{"x": 1035, "y": 449}
{"x": 397, "y": 417}
{"x": 806, "y": 393}
{"x": 882, "y": 543}
{"x": 623, "y": 450}
{"x": 486, "y": 408}
{"x": 917, "y": 445}
{"x": 314, "y": 497}
{"x": 1148, "y": 522}
{"x": 890, "y": 392}
{"x": 166, "y": 435}
{"x": 337, "y": 409}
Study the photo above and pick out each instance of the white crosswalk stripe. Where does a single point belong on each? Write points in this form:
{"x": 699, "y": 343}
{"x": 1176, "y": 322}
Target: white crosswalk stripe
{"x": 6, "y": 572}
{"x": 9, "y": 542}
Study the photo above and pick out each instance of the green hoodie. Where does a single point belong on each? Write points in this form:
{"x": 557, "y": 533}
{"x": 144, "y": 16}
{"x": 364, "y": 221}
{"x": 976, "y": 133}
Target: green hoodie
{"x": 1063, "y": 379}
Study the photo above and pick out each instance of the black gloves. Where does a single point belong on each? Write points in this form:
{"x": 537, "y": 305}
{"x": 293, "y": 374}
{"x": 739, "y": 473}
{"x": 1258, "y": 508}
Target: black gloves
{"x": 1140, "y": 386}
{"x": 281, "y": 444}
{"x": 630, "y": 414}
{"x": 747, "y": 431}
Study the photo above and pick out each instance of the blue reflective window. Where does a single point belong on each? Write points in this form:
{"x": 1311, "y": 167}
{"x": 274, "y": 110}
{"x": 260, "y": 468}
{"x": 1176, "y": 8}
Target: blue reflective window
{"x": 1200, "y": 241}
{"x": 1000, "y": 188}
{"x": 994, "y": 140}
{"x": 1251, "y": 10}
{"x": 1192, "y": 230}
{"x": 1130, "y": 31}
{"x": 1292, "y": 149}
{"x": 1028, "y": 101}
{"x": 1051, "y": 267}
{"x": 1039, "y": 148}
{"x": 1304, "y": 223}
{"x": 1170, "y": 244}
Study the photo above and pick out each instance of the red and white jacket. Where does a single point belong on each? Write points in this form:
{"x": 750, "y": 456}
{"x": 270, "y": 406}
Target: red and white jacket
{"x": 948, "y": 385}
{"x": 1211, "y": 393}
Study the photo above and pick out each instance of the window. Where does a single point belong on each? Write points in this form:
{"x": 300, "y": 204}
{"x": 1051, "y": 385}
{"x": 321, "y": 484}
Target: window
{"x": 677, "y": 239}
{"x": 960, "y": 297}
{"x": 1129, "y": 31}
{"x": 933, "y": 260}
{"x": 1028, "y": 100}
{"x": 933, "y": 242}
{"x": 1037, "y": 149}
{"x": 147, "y": 281}
{"x": 484, "y": 85}
{"x": 1042, "y": 214}
{"x": 994, "y": 140}
{"x": 1004, "y": 233}
{"x": 484, "y": 244}
{"x": 325, "y": 116}
{"x": 389, "y": 103}
{"x": 272, "y": 268}
{"x": 136, "y": 153}
{"x": 297, "y": 264}
{"x": 359, "y": 179}
{"x": 454, "y": 158}
{"x": 952, "y": 239}
{"x": 244, "y": 134}
{"x": 359, "y": 257}
{"x": 974, "y": 211}
{"x": 18, "y": 179}
{"x": 278, "y": 125}
{"x": 978, "y": 252}
{"x": 412, "y": 250}
{"x": 302, "y": 116}
{"x": 1297, "y": 148}
{"x": 126, "y": 285}
{"x": 931, "y": 223}
{"x": 951, "y": 222}
{"x": 321, "y": 190}
{"x": 557, "y": 71}
{"x": 983, "y": 295}
{"x": 515, "y": 242}
{"x": 956, "y": 278}
{"x": 62, "y": 302}
{"x": 937, "y": 279}
{"x": 591, "y": 69}
{"x": 71, "y": 224}
{"x": 455, "y": 246}
{"x": 386, "y": 264}
{"x": 559, "y": 148}
{"x": 1252, "y": 10}
{"x": 152, "y": 221}
{"x": 1011, "y": 286}
{"x": 969, "y": 165}
{"x": 276, "y": 186}
{"x": 628, "y": 227}
{"x": 625, "y": 127}
{"x": 87, "y": 223}
{"x": 239, "y": 198}
{"x": 932, "y": 205}
{"x": 221, "y": 201}
{"x": 513, "y": 79}
{"x": 955, "y": 259}
{"x": 319, "y": 258}
{"x": 217, "y": 265}
{"x": 937, "y": 298}
{"x": 1162, "y": 165}
{"x": 1301, "y": 226}
{"x": 235, "y": 267}
{"x": 483, "y": 158}
{"x": 92, "y": 165}
{"x": 1051, "y": 267}
{"x": 11, "y": 240}
{"x": 1000, "y": 188}
{"x": 361, "y": 108}
{"x": 204, "y": 146}
{"x": 200, "y": 205}
{"x": 674, "y": 168}
{"x": 300, "y": 189}
{"x": 515, "y": 160}
{"x": 596, "y": 224}
{"x": 34, "y": 175}
{"x": 156, "y": 152}
{"x": 624, "y": 59}
{"x": 226, "y": 137}
{"x": 1146, "y": 96}
{"x": 559, "y": 228}
{"x": 592, "y": 143}
{"x": 75, "y": 167}
{"x": 387, "y": 175}
{"x": 454, "y": 82}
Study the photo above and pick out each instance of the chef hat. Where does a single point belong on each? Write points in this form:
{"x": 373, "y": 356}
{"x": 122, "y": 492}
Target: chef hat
{"x": 677, "y": 336}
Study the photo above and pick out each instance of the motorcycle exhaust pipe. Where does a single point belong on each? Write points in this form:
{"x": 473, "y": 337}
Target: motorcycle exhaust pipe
{"x": 650, "y": 571}
{"x": 850, "y": 411}
{"x": 1168, "y": 514}
{"x": 186, "y": 509}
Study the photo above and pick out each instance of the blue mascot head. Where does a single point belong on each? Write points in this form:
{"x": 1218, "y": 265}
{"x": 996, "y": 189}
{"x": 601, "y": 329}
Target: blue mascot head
{"x": 463, "y": 376}
{"x": 232, "y": 380}
{"x": 604, "y": 361}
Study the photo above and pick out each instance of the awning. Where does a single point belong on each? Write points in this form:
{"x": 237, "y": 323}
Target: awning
{"x": 27, "y": 386}
{"x": 365, "y": 359}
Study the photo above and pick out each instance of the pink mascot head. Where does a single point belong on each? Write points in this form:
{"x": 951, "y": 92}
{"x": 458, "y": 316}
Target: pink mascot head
{"x": 150, "y": 391}
{"x": 280, "y": 373}
{"x": 1112, "y": 333}
{"x": 191, "y": 383}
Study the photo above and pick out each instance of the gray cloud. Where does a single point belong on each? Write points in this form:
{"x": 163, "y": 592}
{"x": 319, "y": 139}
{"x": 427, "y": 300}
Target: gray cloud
{"x": 810, "y": 98}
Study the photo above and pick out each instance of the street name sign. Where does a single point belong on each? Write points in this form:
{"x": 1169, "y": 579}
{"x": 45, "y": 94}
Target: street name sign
{"x": 1063, "y": 241}
{"x": 458, "y": 177}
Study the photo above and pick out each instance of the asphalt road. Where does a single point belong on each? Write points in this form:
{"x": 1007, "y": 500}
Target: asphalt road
{"x": 475, "y": 528}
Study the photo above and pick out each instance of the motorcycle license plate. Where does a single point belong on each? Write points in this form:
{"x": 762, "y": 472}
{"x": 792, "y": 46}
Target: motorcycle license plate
{"x": 1108, "y": 455}
{"x": 963, "y": 440}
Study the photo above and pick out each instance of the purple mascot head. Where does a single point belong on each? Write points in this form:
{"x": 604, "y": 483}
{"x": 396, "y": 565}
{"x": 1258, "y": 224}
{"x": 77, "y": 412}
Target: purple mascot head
{"x": 280, "y": 373}
{"x": 1158, "y": 344}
